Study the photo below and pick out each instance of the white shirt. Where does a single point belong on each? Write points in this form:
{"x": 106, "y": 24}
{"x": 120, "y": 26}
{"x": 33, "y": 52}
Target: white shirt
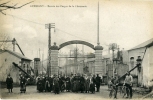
{"x": 128, "y": 79}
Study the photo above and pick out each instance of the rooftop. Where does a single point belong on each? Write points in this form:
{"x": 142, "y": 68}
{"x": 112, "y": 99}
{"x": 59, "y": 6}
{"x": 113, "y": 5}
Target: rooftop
{"x": 144, "y": 44}
{"x": 15, "y": 54}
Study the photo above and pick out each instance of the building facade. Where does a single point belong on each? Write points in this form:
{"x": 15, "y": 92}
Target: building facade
{"x": 7, "y": 57}
{"x": 144, "y": 52}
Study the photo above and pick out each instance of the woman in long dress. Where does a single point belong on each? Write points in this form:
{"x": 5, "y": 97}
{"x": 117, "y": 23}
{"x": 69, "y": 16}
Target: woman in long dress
{"x": 56, "y": 85}
{"x": 22, "y": 84}
{"x": 87, "y": 84}
{"x": 68, "y": 84}
{"x": 39, "y": 85}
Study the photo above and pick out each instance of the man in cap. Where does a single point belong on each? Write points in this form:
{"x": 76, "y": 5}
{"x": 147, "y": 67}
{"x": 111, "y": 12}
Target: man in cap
{"x": 128, "y": 83}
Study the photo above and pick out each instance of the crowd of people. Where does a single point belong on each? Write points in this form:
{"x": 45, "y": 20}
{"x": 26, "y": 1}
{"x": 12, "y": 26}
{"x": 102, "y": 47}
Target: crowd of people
{"x": 73, "y": 83}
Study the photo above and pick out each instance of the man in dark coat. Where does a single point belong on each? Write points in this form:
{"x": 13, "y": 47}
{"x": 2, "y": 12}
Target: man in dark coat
{"x": 43, "y": 82}
{"x": 47, "y": 85}
{"x": 77, "y": 84}
{"x": 51, "y": 83}
{"x": 9, "y": 82}
{"x": 82, "y": 81}
{"x": 68, "y": 84}
{"x": 98, "y": 81}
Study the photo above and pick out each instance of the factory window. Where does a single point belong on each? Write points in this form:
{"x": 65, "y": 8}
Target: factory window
{"x": 139, "y": 57}
{"x": 132, "y": 59}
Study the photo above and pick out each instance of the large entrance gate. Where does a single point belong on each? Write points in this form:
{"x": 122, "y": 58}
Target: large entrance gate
{"x": 98, "y": 56}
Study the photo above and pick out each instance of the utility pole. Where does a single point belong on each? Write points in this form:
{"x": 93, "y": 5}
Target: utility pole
{"x": 42, "y": 61}
{"x": 49, "y": 26}
{"x": 98, "y": 43}
{"x": 76, "y": 58}
{"x": 83, "y": 57}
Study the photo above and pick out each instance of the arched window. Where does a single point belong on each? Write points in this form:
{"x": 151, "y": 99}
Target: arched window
{"x": 131, "y": 59}
{"x": 132, "y": 62}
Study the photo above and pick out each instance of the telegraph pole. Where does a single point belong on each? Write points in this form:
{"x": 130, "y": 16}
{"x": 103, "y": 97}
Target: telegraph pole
{"x": 98, "y": 43}
{"x": 49, "y": 26}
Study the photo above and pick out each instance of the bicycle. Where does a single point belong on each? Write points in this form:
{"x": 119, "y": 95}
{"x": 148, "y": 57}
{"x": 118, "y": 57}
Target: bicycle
{"x": 113, "y": 91}
{"x": 125, "y": 90}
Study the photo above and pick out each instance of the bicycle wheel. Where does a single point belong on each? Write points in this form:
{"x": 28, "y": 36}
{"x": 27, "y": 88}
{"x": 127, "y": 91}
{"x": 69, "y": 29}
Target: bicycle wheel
{"x": 110, "y": 94}
{"x": 115, "y": 94}
{"x": 124, "y": 92}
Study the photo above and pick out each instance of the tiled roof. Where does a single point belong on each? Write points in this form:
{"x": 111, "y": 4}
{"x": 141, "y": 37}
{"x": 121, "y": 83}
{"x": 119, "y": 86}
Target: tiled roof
{"x": 15, "y": 54}
{"x": 144, "y": 44}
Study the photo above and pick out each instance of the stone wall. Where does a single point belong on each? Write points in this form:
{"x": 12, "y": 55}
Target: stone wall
{"x": 54, "y": 62}
{"x": 98, "y": 62}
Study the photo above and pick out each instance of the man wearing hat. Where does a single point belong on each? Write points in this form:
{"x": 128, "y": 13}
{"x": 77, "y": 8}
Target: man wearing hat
{"x": 98, "y": 81}
{"x": 128, "y": 83}
{"x": 9, "y": 83}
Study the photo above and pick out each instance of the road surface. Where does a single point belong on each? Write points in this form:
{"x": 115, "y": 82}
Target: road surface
{"x": 31, "y": 93}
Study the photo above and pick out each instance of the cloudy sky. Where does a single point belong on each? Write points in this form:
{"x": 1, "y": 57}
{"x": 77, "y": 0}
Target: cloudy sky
{"x": 125, "y": 22}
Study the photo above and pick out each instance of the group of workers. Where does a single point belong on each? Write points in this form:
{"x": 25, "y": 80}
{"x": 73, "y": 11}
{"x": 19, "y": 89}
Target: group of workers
{"x": 74, "y": 83}
{"x": 128, "y": 83}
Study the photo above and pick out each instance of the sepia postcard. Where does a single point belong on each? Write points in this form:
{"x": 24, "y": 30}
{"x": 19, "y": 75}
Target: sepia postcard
{"x": 76, "y": 49}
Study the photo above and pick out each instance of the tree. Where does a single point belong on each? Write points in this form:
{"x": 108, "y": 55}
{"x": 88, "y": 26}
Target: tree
{"x": 5, "y": 6}
{"x": 4, "y": 37}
